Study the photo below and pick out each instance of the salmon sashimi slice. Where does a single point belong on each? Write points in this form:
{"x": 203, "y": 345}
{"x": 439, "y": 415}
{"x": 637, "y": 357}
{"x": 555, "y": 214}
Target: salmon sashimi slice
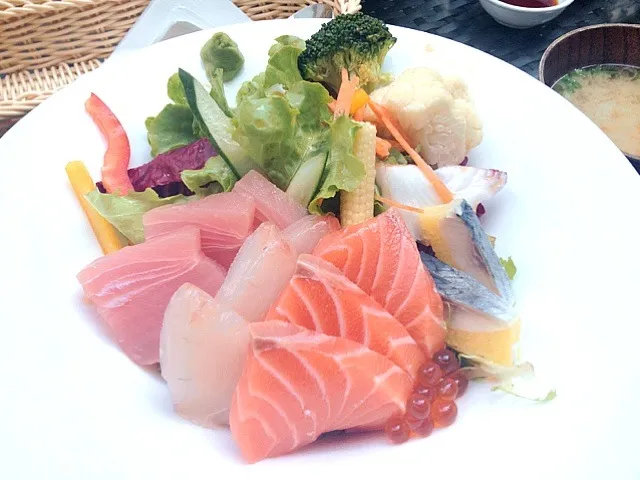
{"x": 381, "y": 257}
{"x": 298, "y": 384}
{"x": 224, "y": 219}
{"x": 272, "y": 204}
{"x": 132, "y": 287}
{"x": 319, "y": 297}
{"x": 305, "y": 234}
{"x": 261, "y": 270}
{"x": 203, "y": 347}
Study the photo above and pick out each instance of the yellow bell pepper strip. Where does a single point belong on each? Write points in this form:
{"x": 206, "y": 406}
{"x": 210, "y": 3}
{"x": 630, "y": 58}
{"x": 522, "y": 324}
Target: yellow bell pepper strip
{"x": 360, "y": 99}
{"x": 82, "y": 183}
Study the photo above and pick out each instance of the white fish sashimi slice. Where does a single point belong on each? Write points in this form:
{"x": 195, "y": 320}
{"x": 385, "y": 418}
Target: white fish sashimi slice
{"x": 204, "y": 340}
{"x": 262, "y": 268}
{"x": 406, "y": 184}
{"x": 475, "y": 185}
{"x": 305, "y": 234}
{"x": 203, "y": 347}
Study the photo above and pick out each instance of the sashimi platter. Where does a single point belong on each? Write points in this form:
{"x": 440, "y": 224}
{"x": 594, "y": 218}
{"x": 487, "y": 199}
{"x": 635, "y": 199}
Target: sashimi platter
{"x": 308, "y": 254}
{"x": 322, "y": 267}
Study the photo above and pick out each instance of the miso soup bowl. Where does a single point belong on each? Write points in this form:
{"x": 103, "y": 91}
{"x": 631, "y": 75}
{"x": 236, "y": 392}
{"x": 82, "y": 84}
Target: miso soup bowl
{"x": 522, "y": 17}
{"x": 613, "y": 43}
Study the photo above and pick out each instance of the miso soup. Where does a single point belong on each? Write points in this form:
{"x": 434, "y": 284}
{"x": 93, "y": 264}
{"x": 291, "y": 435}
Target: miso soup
{"x": 610, "y": 96}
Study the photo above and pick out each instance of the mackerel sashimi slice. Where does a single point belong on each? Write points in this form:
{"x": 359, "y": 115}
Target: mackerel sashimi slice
{"x": 381, "y": 257}
{"x": 272, "y": 204}
{"x": 319, "y": 297}
{"x": 132, "y": 287}
{"x": 298, "y": 384}
{"x": 224, "y": 219}
{"x": 203, "y": 347}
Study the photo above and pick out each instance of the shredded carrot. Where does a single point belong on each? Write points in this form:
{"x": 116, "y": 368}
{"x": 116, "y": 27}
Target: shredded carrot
{"x": 402, "y": 206}
{"x": 382, "y": 147}
{"x": 345, "y": 95}
{"x": 82, "y": 184}
{"x": 441, "y": 189}
{"x": 393, "y": 121}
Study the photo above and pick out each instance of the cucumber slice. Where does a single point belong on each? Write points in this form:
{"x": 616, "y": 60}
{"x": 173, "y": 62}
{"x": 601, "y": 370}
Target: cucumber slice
{"x": 306, "y": 181}
{"x": 217, "y": 125}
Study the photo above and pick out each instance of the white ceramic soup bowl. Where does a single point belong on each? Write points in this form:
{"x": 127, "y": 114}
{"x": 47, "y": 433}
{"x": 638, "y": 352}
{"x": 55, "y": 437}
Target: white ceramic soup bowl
{"x": 522, "y": 17}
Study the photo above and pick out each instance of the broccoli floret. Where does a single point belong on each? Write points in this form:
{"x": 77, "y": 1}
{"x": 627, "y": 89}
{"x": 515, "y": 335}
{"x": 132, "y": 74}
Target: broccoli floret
{"x": 356, "y": 42}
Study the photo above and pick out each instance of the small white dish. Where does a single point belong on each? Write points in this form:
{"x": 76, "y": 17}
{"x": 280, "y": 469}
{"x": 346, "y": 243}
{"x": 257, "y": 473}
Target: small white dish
{"x": 522, "y": 17}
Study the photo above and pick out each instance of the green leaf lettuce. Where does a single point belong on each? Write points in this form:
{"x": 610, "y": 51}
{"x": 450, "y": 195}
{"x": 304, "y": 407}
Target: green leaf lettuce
{"x": 125, "y": 213}
{"x": 214, "y": 177}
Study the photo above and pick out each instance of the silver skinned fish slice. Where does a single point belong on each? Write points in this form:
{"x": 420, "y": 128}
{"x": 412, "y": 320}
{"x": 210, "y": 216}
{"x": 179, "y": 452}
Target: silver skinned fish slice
{"x": 461, "y": 289}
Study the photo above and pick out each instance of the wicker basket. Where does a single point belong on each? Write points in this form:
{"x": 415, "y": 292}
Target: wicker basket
{"x": 46, "y": 44}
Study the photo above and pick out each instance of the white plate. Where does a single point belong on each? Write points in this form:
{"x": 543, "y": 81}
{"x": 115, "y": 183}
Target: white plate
{"x": 72, "y": 406}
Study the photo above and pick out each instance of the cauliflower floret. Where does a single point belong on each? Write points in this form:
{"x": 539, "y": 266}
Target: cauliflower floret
{"x": 435, "y": 111}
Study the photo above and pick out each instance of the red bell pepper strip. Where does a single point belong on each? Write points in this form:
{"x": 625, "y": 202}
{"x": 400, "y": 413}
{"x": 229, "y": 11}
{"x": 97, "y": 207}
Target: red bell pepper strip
{"x": 116, "y": 159}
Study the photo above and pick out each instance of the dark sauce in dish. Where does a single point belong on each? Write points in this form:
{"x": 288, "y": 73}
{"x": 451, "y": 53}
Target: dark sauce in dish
{"x": 532, "y": 3}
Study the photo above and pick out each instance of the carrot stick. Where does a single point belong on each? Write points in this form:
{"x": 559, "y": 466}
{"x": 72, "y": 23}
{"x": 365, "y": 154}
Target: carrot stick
{"x": 402, "y": 206}
{"x": 359, "y": 115}
{"x": 345, "y": 95}
{"x": 82, "y": 184}
{"x": 441, "y": 189}
{"x": 382, "y": 147}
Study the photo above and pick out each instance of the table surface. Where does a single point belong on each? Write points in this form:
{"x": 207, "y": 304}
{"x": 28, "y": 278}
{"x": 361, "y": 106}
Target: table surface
{"x": 466, "y": 21}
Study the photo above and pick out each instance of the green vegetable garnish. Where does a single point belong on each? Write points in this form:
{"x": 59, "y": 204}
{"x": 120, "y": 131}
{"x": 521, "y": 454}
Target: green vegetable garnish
{"x": 214, "y": 177}
{"x": 222, "y": 52}
{"x": 512, "y": 390}
{"x": 125, "y": 213}
{"x": 217, "y": 91}
{"x": 357, "y": 42}
{"x": 509, "y": 267}
{"x": 175, "y": 90}
{"x": 170, "y": 129}
{"x": 396, "y": 158}
{"x": 285, "y": 126}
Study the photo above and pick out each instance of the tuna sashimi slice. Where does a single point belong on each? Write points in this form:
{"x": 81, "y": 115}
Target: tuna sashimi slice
{"x": 298, "y": 384}
{"x": 261, "y": 270}
{"x": 272, "y": 204}
{"x": 224, "y": 219}
{"x": 305, "y": 234}
{"x": 132, "y": 287}
{"x": 381, "y": 257}
{"x": 319, "y": 297}
{"x": 203, "y": 347}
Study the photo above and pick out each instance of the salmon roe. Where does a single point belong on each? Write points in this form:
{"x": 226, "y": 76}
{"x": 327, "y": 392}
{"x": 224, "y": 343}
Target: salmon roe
{"x": 398, "y": 430}
{"x": 432, "y": 404}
